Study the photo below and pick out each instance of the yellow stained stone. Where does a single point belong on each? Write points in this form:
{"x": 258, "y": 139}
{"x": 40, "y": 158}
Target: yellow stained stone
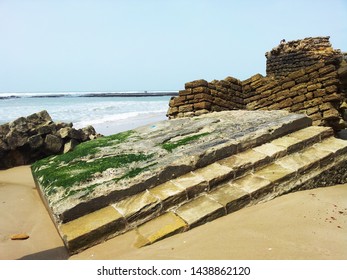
{"x": 89, "y": 222}
{"x": 159, "y": 228}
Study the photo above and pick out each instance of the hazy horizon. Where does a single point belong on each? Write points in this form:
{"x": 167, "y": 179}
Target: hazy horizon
{"x": 102, "y": 46}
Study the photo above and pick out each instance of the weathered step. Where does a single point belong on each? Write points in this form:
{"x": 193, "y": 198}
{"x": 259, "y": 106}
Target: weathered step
{"x": 319, "y": 165}
{"x": 146, "y": 205}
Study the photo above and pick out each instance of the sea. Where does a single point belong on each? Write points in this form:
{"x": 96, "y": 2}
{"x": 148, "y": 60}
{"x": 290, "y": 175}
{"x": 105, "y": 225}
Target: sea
{"x": 107, "y": 112}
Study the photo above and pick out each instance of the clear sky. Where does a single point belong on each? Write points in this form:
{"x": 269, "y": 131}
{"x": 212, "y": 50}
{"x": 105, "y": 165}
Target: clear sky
{"x": 113, "y": 45}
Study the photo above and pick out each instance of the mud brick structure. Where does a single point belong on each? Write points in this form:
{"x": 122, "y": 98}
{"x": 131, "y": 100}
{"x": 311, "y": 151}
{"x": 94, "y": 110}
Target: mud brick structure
{"x": 303, "y": 76}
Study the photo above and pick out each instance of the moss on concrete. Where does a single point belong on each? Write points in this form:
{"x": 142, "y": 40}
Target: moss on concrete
{"x": 170, "y": 146}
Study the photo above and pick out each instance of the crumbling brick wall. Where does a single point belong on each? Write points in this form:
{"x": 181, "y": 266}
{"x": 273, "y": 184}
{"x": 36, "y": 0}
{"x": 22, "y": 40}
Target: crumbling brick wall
{"x": 302, "y": 76}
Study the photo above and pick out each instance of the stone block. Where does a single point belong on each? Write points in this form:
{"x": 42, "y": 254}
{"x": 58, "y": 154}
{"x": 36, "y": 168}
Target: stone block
{"x": 90, "y": 228}
{"x": 254, "y": 185}
{"x": 313, "y": 102}
{"x": 200, "y": 210}
{"x": 194, "y": 184}
{"x": 215, "y": 173}
{"x": 185, "y": 92}
{"x": 296, "y": 74}
{"x": 332, "y": 97}
{"x": 297, "y": 107}
{"x": 331, "y": 114}
{"x": 196, "y": 83}
{"x": 244, "y": 161}
{"x": 314, "y": 87}
{"x": 158, "y": 228}
{"x": 138, "y": 207}
{"x": 274, "y": 173}
{"x": 185, "y": 108}
{"x": 288, "y": 84}
{"x": 201, "y": 90}
{"x": 327, "y": 69}
{"x": 202, "y": 105}
{"x": 316, "y": 116}
{"x": 334, "y": 145}
{"x": 169, "y": 194}
{"x": 298, "y": 99}
{"x": 271, "y": 150}
{"x": 311, "y": 111}
{"x": 231, "y": 197}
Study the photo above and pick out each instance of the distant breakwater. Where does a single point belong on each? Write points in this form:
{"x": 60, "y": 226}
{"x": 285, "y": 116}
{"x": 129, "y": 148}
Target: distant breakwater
{"x": 89, "y": 94}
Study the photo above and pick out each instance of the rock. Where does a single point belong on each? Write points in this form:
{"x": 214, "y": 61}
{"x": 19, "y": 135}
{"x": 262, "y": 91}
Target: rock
{"x": 53, "y": 143}
{"x": 68, "y": 132}
{"x": 35, "y": 141}
{"x": 16, "y": 139}
{"x": 70, "y": 145}
{"x": 19, "y": 236}
{"x": 86, "y": 132}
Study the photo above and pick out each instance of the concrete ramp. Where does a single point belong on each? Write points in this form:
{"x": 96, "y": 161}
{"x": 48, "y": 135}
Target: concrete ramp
{"x": 171, "y": 176}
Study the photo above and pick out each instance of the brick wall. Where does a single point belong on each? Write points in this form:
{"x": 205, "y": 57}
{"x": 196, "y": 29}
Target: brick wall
{"x": 310, "y": 85}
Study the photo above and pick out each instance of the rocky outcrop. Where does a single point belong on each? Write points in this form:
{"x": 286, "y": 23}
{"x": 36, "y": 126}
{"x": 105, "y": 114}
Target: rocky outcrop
{"x": 28, "y": 139}
{"x": 303, "y": 76}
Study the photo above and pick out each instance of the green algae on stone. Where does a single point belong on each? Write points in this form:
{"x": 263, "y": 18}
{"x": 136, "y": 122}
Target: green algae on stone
{"x": 170, "y": 146}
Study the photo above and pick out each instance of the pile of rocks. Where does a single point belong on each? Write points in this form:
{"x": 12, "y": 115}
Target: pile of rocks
{"x": 28, "y": 139}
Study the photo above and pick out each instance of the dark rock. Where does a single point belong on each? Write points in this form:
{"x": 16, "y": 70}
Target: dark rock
{"x": 53, "y": 143}
{"x": 35, "y": 141}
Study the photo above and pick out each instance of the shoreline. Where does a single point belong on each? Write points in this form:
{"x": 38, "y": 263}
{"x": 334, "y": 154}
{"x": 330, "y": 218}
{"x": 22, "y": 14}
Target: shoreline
{"x": 309, "y": 224}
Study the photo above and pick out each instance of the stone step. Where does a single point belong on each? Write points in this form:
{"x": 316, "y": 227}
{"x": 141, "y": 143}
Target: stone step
{"x": 139, "y": 208}
{"x": 321, "y": 164}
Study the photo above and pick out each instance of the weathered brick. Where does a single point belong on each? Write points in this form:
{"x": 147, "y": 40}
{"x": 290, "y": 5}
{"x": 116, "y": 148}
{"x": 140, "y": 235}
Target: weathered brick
{"x": 314, "y": 87}
{"x": 297, "y": 74}
{"x": 313, "y": 102}
{"x": 326, "y": 106}
{"x": 202, "y": 105}
{"x": 201, "y": 90}
{"x": 331, "y": 114}
{"x": 299, "y": 98}
{"x": 288, "y": 84}
{"x": 298, "y": 87}
{"x": 332, "y": 97}
{"x": 196, "y": 83}
{"x": 286, "y": 103}
{"x": 184, "y": 92}
{"x": 327, "y": 69}
{"x": 297, "y": 107}
{"x": 316, "y": 116}
{"x": 311, "y": 111}
{"x": 185, "y": 108}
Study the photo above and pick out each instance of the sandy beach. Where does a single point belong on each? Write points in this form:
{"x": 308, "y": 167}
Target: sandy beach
{"x": 304, "y": 225}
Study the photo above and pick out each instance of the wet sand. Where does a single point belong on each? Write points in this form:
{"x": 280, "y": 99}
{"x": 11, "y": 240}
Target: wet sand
{"x": 304, "y": 225}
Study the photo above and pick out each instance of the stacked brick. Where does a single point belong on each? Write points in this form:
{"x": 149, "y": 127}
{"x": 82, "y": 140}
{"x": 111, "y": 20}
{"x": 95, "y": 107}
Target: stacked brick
{"x": 298, "y": 54}
{"x": 200, "y": 97}
{"x": 313, "y": 90}
{"x": 302, "y": 77}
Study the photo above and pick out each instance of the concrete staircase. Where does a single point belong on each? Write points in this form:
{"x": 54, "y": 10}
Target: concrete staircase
{"x": 307, "y": 158}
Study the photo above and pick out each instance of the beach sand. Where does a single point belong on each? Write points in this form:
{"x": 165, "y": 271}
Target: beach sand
{"x": 303, "y": 225}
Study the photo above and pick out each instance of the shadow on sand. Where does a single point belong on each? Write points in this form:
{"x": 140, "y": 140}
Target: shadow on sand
{"x": 59, "y": 253}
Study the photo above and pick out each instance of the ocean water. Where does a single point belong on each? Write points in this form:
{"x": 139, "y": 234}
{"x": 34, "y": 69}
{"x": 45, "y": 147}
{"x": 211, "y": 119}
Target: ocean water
{"x": 108, "y": 114}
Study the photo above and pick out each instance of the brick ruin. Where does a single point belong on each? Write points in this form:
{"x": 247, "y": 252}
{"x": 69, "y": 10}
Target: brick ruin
{"x": 303, "y": 76}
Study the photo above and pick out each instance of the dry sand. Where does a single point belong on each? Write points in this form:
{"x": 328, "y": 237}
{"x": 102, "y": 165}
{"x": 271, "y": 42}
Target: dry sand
{"x": 304, "y": 225}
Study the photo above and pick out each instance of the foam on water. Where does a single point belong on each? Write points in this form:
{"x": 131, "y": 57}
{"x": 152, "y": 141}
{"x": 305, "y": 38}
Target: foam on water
{"x": 82, "y": 111}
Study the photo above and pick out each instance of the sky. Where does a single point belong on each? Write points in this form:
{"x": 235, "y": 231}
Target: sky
{"x": 120, "y": 45}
